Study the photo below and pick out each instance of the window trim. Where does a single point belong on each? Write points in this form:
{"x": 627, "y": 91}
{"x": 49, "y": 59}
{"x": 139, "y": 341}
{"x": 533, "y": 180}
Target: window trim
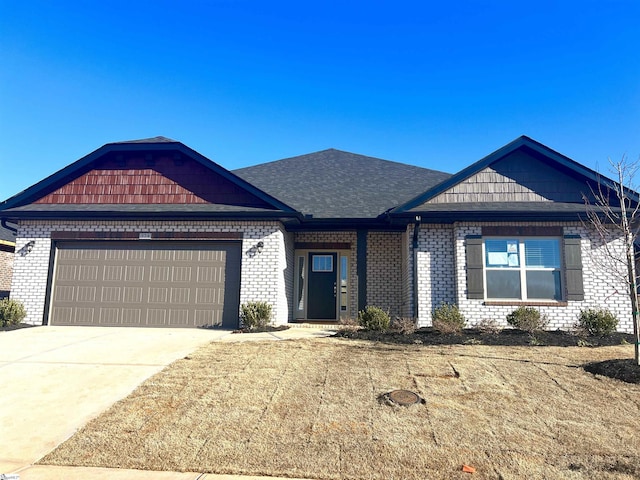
{"x": 522, "y": 269}
{"x": 572, "y": 268}
{"x": 321, "y": 266}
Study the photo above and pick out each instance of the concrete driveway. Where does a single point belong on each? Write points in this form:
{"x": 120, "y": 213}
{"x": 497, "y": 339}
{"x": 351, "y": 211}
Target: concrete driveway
{"x": 55, "y": 379}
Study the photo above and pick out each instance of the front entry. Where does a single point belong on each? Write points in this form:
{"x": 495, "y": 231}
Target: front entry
{"x": 323, "y": 286}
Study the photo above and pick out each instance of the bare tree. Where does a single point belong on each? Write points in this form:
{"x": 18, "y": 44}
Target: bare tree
{"x": 614, "y": 211}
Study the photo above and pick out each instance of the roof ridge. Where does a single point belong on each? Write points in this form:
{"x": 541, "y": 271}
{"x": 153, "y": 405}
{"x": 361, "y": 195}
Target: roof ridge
{"x": 157, "y": 139}
{"x": 357, "y": 155}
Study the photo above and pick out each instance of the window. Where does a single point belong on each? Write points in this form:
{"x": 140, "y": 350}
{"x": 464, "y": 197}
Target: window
{"x": 300, "y": 283}
{"x": 322, "y": 263}
{"x": 523, "y": 268}
{"x": 344, "y": 283}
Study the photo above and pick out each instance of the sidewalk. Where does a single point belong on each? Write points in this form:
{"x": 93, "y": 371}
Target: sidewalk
{"x": 56, "y": 379}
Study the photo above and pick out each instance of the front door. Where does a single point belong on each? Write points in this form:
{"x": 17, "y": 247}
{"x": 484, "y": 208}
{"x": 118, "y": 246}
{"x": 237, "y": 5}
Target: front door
{"x": 322, "y": 287}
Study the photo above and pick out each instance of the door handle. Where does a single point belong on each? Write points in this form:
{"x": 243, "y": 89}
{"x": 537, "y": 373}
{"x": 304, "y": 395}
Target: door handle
{"x": 335, "y": 289}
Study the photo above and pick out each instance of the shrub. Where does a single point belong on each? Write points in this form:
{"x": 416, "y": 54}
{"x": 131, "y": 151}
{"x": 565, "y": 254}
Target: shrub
{"x": 12, "y": 312}
{"x": 374, "y": 318}
{"x": 488, "y": 325}
{"x": 597, "y": 322}
{"x": 404, "y": 325}
{"x": 255, "y": 315}
{"x": 528, "y": 319}
{"x": 348, "y": 324}
{"x": 447, "y": 318}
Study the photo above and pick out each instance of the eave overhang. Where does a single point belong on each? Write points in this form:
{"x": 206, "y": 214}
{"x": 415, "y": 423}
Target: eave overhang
{"x": 475, "y": 216}
{"x": 155, "y": 215}
{"x": 345, "y": 224}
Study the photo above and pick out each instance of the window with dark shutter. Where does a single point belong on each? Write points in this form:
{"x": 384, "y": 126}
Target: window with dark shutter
{"x": 524, "y": 268}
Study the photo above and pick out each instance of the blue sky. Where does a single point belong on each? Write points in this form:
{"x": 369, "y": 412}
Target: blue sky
{"x": 435, "y": 84}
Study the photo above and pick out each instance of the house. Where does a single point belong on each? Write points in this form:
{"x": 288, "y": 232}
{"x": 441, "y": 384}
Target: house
{"x": 152, "y": 233}
{"x": 7, "y": 249}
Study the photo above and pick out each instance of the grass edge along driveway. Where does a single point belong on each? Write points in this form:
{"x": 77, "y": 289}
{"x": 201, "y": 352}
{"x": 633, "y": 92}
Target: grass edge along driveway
{"x": 312, "y": 409}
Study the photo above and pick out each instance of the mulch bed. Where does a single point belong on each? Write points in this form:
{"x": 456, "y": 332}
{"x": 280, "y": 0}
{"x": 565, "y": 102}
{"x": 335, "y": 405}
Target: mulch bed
{"x": 268, "y": 328}
{"x": 621, "y": 369}
{"x": 625, "y": 369}
{"x": 8, "y": 328}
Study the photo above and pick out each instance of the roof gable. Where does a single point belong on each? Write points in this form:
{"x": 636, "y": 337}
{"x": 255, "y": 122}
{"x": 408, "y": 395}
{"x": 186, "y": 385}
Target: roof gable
{"x": 150, "y": 171}
{"x": 336, "y": 184}
{"x": 517, "y": 177}
{"x": 524, "y": 171}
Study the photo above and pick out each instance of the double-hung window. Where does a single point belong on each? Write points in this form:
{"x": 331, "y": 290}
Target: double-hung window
{"x": 526, "y": 268}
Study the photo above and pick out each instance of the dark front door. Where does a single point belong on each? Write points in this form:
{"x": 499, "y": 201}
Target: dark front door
{"x": 322, "y": 288}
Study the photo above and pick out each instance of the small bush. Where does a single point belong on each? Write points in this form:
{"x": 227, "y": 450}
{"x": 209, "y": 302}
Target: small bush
{"x": 447, "y": 318}
{"x": 489, "y": 325}
{"x": 527, "y": 319}
{"x": 12, "y": 312}
{"x": 404, "y": 325}
{"x": 348, "y": 324}
{"x": 255, "y": 315}
{"x": 597, "y": 322}
{"x": 374, "y": 318}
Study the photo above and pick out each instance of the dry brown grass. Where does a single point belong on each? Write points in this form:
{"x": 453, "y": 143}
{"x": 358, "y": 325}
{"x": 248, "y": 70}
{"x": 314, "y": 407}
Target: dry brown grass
{"x": 310, "y": 409}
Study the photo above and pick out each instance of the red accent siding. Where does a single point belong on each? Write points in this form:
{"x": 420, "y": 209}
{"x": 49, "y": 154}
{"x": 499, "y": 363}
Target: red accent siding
{"x": 164, "y": 182}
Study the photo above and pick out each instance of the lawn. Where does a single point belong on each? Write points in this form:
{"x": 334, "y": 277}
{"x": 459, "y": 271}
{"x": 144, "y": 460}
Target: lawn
{"x": 313, "y": 409}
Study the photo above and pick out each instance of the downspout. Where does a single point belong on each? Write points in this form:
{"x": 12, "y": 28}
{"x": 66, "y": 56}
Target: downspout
{"x": 416, "y": 229}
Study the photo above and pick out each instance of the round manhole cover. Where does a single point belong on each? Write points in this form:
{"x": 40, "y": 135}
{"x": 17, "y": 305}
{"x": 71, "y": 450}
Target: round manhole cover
{"x": 404, "y": 397}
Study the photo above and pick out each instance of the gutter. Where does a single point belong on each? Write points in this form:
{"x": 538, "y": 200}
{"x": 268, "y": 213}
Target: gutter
{"x": 3, "y": 222}
{"x": 131, "y": 215}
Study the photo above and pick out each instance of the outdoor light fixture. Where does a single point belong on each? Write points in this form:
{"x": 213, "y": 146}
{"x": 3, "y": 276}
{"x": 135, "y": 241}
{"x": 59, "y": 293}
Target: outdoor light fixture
{"x": 28, "y": 247}
{"x": 260, "y": 246}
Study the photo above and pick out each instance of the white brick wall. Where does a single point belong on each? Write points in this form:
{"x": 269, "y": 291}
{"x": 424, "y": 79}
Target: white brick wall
{"x": 602, "y": 289}
{"x": 407, "y": 272}
{"x": 265, "y": 276}
{"x": 435, "y": 260}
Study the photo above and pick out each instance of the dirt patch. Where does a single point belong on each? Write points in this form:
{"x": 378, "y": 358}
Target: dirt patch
{"x": 311, "y": 409}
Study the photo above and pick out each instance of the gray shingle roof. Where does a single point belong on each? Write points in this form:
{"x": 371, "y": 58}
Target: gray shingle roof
{"x": 159, "y": 139}
{"x": 337, "y": 184}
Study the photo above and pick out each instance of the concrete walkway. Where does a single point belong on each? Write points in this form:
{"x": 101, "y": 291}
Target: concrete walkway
{"x": 55, "y": 379}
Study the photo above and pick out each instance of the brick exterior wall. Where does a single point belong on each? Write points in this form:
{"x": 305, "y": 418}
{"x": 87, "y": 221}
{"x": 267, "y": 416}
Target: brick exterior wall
{"x": 265, "y": 276}
{"x": 601, "y": 287}
{"x": 385, "y": 271}
{"x": 407, "y": 273}
{"x": 435, "y": 269}
{"x": 6, "y": 268}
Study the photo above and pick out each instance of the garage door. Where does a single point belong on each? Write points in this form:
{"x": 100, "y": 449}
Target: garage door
{"x": 146, "y": 284}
